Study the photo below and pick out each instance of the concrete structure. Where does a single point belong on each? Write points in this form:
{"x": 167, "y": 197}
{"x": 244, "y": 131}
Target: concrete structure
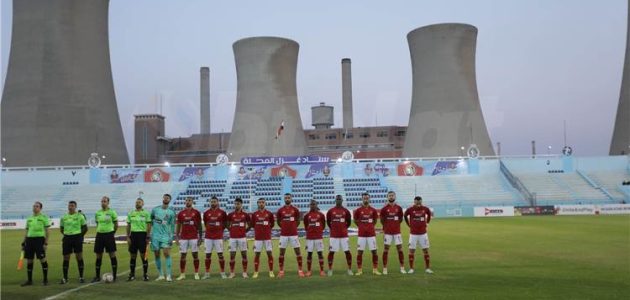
{"x": 266, "y": 97}
{"x": 346, "y": 93}
{"x": 150, "y": 142}
{"x": 621, "y": 135}
{"x": 322, "y": 116}
{"x": 58, "y": 104}
{"x": 204, "y": 98}
{"x": 445, "y": 111}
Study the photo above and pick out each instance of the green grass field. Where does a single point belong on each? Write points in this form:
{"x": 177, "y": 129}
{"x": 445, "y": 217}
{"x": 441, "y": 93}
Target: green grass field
{"x": 586, "y": 257}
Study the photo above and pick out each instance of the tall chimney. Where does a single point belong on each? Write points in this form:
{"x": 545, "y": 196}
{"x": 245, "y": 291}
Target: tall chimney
{"x": 346, "y": 93}
{"x": 204, "y": 105}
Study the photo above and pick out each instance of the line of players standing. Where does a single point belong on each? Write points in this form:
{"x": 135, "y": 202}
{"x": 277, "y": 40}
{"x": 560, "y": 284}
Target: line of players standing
{"x": 161, "y": 227}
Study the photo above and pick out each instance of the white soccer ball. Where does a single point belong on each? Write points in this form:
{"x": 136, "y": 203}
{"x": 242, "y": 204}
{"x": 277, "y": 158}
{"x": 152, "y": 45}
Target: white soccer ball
{"x": 107, "y": 278}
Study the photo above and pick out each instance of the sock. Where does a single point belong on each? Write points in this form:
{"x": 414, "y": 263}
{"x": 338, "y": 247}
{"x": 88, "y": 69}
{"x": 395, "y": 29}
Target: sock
{"x": 385, "y": 256}
{"x": 66, "y": 265}
{"x": 232, "y": 263}
{"x": 244, "y": 262}
{"x": 360, "y": 261}
{"x": 309, "y": 261}
{"x": 114, "y": 261}
{"x": 182, "y": 266}
{"x": 99, "y": 261}
{"x": 208, "y": 261}
{"x": 331, "y": 257}
{"x": 158, "y": 265}
{"x": 45, "y": 270}
{"x": 169, "y": 265}
{"x": 196, "y": 265}
{"x": 270, "y": 262}
{"x": 145, "y": 266}
{"x": 375, "y": 260}
{"x": 299, "y": 261}
{"x": 411, "y": 258}
{"x": 132, "y": 267}
{"x": 401, "y": 258}
{"x": 256, "y": 263}
{"x": 222, "y": 264}
{"x": 427, "y": 261}
{"x": 281, "y": 262}
{"x": 321, "y": 262}
{"x": 29, "y": 271}
{"x": 349, "y": 259}
{"x": 81, "y": 267}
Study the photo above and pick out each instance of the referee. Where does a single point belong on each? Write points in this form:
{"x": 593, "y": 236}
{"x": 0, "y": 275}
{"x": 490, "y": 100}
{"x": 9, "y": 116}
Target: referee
{"x": 73, "y": 227}
{"x": 106, "y": 226}
{"x": 35, "y": 242}
{"x": 138, "y": 232}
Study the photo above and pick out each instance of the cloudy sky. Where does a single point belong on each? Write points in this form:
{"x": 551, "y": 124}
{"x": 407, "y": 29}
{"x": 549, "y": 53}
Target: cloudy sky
{"x": 539, "y": 62}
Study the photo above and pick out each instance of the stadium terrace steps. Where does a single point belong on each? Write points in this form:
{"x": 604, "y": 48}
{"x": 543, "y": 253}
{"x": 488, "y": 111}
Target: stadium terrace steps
{"x": 561, "y": 187}
{"x": 611, "y": 180}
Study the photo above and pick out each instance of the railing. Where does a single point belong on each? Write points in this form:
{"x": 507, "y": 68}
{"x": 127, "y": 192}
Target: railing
{"x": 517, "y": 184}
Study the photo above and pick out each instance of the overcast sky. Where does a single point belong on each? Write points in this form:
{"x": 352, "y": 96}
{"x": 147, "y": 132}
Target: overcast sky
{"x": 539, "y": 62}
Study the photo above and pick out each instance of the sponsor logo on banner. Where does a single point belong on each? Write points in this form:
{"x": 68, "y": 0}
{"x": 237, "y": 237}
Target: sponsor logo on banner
{"x": 156, "y": 175}
{"x": 283, "y": 171}
{"x": 494, "y": 211}
{"x": 410, "y": 169}
{"x": 534, "y": 210}
{"x": 575, "y": 210}
{"x": 614, "y": 209}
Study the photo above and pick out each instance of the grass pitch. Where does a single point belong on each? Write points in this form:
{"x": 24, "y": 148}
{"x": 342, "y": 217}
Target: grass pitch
{"x": 550, "y": 257}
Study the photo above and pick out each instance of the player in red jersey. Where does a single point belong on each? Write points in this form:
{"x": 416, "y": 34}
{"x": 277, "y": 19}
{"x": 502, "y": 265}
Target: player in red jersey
{"x": 366, "y": 217}
{"x": 215, "y": 220}
{"x": 238, "y": 223}
{"x": 417, "y": 218}
{"x": 391, "y": 217}
{"x": 339, "y": 219}
{"x": 314, "y": 224}
{"x": 262, "y": 222}
{"x": 188, "y": 235}
{"x": 288, "y": 218}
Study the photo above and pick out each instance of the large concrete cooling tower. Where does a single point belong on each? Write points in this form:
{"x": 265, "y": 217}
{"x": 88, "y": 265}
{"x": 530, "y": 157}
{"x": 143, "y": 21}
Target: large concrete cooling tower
{"x": 266, "y": 98}
{"x": 445, "y": 111}
{"x": 621, "y": 135}
{"x": 58, "y": 104}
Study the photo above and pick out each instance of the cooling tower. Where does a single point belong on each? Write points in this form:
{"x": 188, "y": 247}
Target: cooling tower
{"x": 266, "y": 98}
{"x": 621, "y": 135}
{"x": 58, "y": 104}
{"x": 445, "y": 111}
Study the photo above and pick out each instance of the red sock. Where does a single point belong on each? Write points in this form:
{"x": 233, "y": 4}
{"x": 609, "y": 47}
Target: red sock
{"x": 411, "y": 259}
{"x": 321, "y": 264}
{"x": 232, "y": 263}
{"x": 360, "y": 261}
{"x": 385, "y": 257}
{"x": 401, "y": 258}
{"x": 244, "y": 261}
{"x": 426, "y": 261}
{"x": 331, "y": 256}
{"x": 222, "y": 264}
{"x": 208, "y": 262}
{"x": 182, "y": 266}
{"x": 270, "y": 262}
{"x": 256, "y": 263}
{"x": 349, "y": 259}
{"x": 281, "y": 262}
{"x": 196, "y": 264}
{"x": 375, "y": 261}
{"x": 299, "y": 261}
{"x": 309, "y": 263}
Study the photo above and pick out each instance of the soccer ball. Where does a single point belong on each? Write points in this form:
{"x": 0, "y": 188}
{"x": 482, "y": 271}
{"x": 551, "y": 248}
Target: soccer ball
{"x": 107, "y": 278}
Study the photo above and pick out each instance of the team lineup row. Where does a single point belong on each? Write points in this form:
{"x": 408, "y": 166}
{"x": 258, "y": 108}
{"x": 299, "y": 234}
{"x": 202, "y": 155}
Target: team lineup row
{"x": 161, "y": 227}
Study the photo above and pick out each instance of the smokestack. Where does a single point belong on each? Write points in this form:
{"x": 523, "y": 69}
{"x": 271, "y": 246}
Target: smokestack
{"x": 346, "y": 92}
{"x": 204, "y": 105}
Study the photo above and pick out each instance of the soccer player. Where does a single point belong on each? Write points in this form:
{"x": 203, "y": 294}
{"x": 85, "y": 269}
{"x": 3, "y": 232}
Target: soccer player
{"x": 288, "y": 218}
{"x": 35, "y": 242}
{"x": 417, "y": 218}
{"x": 314, "y": 224}
{"x": 215, "y": 220}
{"x": 339, "y": 219}
{"x": 138, "y": 232}
{"x": 106, "y": 226}
{"x": 238, "y": 223}
{"x": 162, "y": 230}
{"x": 73, "y": 227}
{"x": 391, "y": 217}
{"x": 365, "y": 217}
{"x": 189, "y": 234}
{"x": 262, "y": 222}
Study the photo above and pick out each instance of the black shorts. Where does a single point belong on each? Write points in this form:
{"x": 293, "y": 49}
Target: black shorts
{"x": 72, "y": 244}
{"x": 106, "y": 242}
{"x": 34, "y": 246}
{"x": 138, "y": 242}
